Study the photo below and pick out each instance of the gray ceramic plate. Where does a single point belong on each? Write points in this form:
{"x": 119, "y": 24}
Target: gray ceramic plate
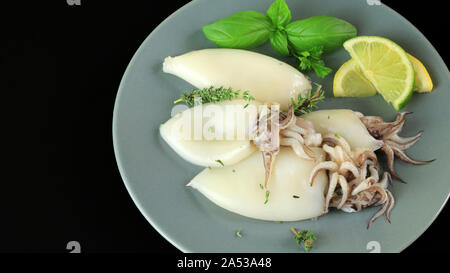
{"x": 156, "y": 177}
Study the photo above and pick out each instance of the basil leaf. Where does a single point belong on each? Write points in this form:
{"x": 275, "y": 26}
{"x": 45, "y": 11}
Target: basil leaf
{"x": 327, "y": 31}
{"x": 279, "y": 13}
{"x": 246, "y": 29}
{"x": 279, "y": 42}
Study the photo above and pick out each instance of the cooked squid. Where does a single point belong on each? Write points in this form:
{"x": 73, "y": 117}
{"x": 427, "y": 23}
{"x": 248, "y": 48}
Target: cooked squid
{"x": 274, "y": 129}
{"x": 344, "y": 123}
{"x": 241, "y": 70}
{"x": 238, "y": 188}
{"x": 393, "y": 144}
{"x": 221, "y": 137}
{"x": 353, "y": 180}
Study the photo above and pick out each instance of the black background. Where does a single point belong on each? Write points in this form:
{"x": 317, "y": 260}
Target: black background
{"x": 61, "y": 67}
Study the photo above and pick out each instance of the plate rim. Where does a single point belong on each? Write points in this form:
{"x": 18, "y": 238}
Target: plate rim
{"x": 115, "y": 130}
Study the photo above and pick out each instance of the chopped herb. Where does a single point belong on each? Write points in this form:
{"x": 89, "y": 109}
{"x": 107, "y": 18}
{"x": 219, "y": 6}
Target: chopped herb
{"x": 234, "y": 170}
{"x": 309, "y": 102}
{"x": 245, "y": 106}
{"x": 212, "y": 94}
{"x": 305, "y": 238}
{"x": 267, "y": 197}
{"x": 247, "y": 96}
{"x": 328, "y": 117}
{"x": 337, "y": 136}
{"x": 209, "y": 167}
{"x": 238, "y": 233}
{"x": 220, "y": 162}
{"x": 295, "y": 196}
{"x": 261, "y": 186}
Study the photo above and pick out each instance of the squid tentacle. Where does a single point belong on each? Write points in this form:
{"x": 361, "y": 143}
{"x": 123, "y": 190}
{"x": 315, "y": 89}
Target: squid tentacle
{"x": 390, "y": 158}
{"x": 407, "y": 159}
{"x": 325, "y": 165}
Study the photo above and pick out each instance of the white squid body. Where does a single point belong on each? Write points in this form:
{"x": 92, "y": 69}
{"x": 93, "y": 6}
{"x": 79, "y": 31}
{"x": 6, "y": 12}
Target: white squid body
{"x": 266, "y": 78}
{"x": 210, "y": 149}
{"x": 239, "y": 191}
{"x": 344, "y": 123}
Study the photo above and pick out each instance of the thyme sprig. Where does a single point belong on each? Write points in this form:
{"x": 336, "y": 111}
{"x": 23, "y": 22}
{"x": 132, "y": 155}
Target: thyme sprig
{"x": 213, "y": 95}
{"x": 308, "y": 103}
{"x": 305, "y": 238}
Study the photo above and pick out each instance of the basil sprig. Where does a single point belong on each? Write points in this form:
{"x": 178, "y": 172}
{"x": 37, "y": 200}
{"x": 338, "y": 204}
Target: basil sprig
{"x": 305, "y": 39}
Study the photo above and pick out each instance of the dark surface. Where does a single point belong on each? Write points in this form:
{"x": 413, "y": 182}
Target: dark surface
{"x": 62, "y": 65}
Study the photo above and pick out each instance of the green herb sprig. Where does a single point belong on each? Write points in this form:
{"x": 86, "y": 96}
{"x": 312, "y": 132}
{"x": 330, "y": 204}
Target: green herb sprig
{"x": 305, "y": 39}
{"x": 304, "y": 238}
{"x": 308, "y": 103}
{"x": 310, "y": 60}
{"x": 212, "y": 95}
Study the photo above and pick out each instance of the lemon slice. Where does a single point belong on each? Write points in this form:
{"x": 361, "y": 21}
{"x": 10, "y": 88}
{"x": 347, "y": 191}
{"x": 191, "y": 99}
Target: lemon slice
{"x": 423, "y": 80}
{"x": 350, "y": 81}
{"x": 386, "y": 66}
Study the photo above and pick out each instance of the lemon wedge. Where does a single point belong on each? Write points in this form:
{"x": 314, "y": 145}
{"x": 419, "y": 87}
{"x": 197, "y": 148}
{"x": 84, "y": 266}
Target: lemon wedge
{"x": 386, "y": 65}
